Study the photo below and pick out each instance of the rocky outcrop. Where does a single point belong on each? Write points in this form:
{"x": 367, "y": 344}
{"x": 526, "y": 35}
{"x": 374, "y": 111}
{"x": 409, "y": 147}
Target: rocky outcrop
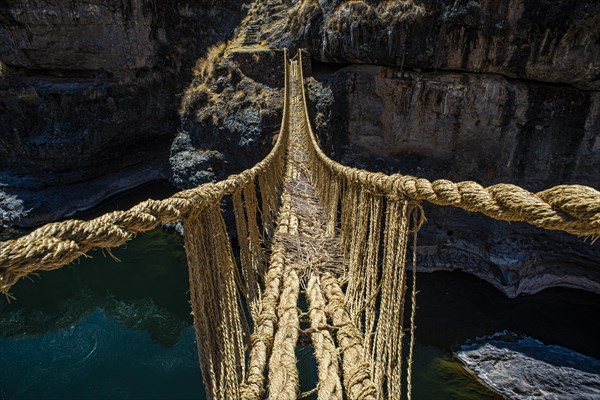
{"x": 551, "y": 41}
{"x": 110, "y": 36}
{"x": 90, "y": 91}
{"x": 514, "y": 257}
{"x": 229, "y": 119}
{"x": 525, "y": 368}
{"x": 117, "y": 38}
{"x": 59, "y": 131}
{"x": 464, "y": 126}
{"x": 480, "y": 127}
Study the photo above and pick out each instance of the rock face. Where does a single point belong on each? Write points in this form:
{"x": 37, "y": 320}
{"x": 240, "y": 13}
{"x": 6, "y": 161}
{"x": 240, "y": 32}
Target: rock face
{"x": 59, "y": 131}
{"x": 551, "y": 41}
{"x": 480, "y": 127}
{"x": 514, "y": 257}
{"x": 449, "y": 107}
{"x": 464, "y": 126}
{"x": 525, "y": 368}
{"x": 89, "y": 90}
{"x": 80, "y": 36}
{"x": 230, "y": 126}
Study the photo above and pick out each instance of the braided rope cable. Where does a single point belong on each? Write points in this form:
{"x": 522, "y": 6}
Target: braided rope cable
{"x": 571, "y": 208}
{"x": 356, "y": 367}
{"x": 326, "y": 354}
{"x": 261, "y": 340}
{"x": 283, "y": 373}
{"x": 57, "y": 244}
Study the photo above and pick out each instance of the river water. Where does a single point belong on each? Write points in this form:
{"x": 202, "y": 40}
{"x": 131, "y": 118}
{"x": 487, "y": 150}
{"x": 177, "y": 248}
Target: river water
{"x": 106, "y": 329}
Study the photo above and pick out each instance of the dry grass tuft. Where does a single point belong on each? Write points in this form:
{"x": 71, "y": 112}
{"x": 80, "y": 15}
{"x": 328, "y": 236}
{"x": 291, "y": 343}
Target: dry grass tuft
{"x": 375, "y": 14}
{"x": 204, "y": 76}
{"x": 303, "y": 13}
{"x": 239, "y": 95}
{"x": 205, "y": 66}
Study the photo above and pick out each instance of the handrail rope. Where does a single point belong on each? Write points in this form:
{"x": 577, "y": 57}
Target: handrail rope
{"x": 57, "y": 244}
{"x": 571, "y": 208}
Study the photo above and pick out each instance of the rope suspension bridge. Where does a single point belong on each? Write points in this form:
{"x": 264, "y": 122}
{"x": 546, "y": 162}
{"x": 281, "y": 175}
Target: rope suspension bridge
{"x": 310, "y": 232}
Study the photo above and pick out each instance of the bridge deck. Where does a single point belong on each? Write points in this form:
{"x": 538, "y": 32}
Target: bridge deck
{"x": 305, "y": 256}
{"x": 361, "y": 352}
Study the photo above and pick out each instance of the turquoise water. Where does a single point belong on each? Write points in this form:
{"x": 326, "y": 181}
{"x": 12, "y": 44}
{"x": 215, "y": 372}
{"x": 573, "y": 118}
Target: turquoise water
{"x": 106, "y": 329}
{"x": 99, "y": 357}
{"x": 101, "y": 329}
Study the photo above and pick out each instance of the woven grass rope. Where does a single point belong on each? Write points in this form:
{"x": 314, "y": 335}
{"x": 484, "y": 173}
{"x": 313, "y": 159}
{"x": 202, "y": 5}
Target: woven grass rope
{"x": 306, "y": 226}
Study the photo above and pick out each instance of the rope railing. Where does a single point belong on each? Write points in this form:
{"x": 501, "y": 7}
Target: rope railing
{"x": 344, "y": 230}
{"x": 375, "y": 215}
{"x": 571, "y": 208}
{"x": 57, "y": 244}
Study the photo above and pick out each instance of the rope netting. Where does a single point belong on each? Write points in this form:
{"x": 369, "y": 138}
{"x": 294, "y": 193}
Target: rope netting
{"x": 307, "y": 227}
{"x": 375, "y": 216}
{"x": 373, "y": 230}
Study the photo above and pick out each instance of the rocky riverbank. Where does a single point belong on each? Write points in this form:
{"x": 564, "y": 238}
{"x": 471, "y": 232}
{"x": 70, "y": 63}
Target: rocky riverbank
{"x": 525, "y": 368}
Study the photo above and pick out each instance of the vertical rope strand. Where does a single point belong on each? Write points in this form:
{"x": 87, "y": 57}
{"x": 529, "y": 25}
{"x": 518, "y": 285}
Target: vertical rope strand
{"x": 418, "y": 219}
{"x": 357, "y": 369}
{"x": 380, "y": 348}
{"x": 233, "y": 367}
{"x": 255, "y": 238}
{"x": 202, "y": 296}
{"x": 398, "y": 303}
{"x": 217, "y": 314}
{"x": 248, "y": 286}
{"x": 357, "y": 268}
{"x": 372, "y": 271}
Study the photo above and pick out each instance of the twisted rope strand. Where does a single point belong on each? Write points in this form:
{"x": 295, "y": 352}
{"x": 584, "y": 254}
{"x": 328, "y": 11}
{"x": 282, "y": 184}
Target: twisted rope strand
{"x": 356, "y": 367}
{"x": 329, "y": 387}
{"x": 57, "y": 244}
{"x": 570, "y": 208}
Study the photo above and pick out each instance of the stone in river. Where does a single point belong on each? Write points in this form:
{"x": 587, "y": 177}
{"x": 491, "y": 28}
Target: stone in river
{"x": 525, "y": 368}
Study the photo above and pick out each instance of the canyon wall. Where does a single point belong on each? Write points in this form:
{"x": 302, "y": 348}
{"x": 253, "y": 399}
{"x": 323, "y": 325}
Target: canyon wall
{"x": 480, "y": 127}
{"x": 546, "y": 40}
{"x": 89, "y": 94}
{"x": 462, "y": 126}
{"x": 465, "y": 90}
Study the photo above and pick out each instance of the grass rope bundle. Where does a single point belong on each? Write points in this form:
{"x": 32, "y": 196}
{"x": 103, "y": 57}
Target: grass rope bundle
{"x": 330, "y": 227}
